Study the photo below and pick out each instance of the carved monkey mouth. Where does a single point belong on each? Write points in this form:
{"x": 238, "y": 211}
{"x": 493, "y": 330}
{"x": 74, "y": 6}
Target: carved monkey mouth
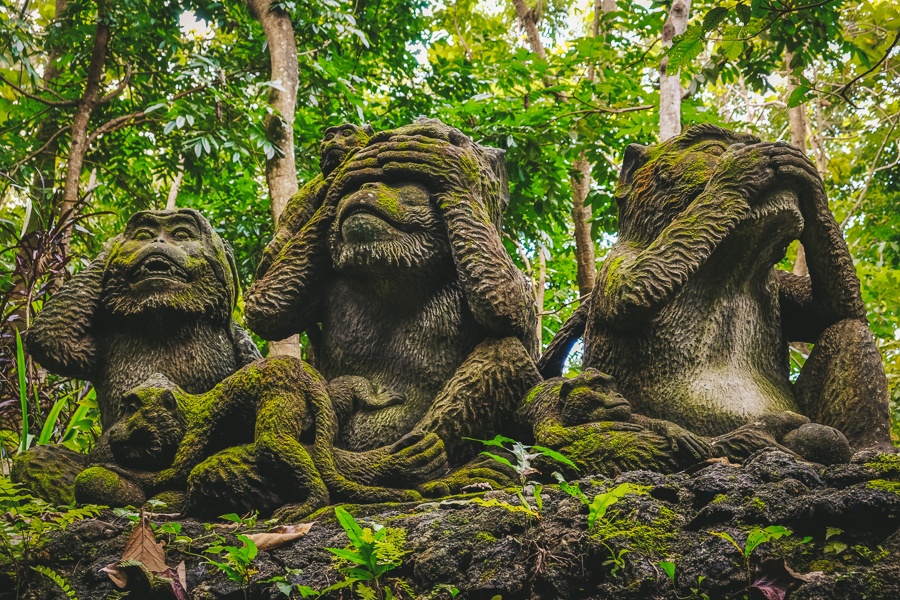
{"x": 158, "y": 266}
{"x": 361, "y": 208}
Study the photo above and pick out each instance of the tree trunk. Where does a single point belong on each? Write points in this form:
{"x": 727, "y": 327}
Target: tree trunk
{"x": 529, "y": 23}
{"x": 539, "y": 288}
{"x": 78, "y": 147}
{"x": 171, "y": 201}
{"x": 670, "y": 84}
{"x": 586, "y": 269}
{"x": 281, "y": 171}
{"x": 797, "y": 121}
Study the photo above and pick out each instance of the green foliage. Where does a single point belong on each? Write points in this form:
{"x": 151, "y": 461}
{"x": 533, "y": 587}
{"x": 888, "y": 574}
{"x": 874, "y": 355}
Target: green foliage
{"x": 27, "y": 522}
{"x": 373, "y": 552}
{"x": 235, "y": 561}
{"x": 755, "y": 537}
{"x": 56, "y": 578}
{"x": 601, "y": 502}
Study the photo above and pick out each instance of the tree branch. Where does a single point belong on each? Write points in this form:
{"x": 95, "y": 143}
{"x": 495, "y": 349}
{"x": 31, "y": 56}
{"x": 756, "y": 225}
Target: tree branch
{"x": 19, "y": 163}
{"x": 36, "y": 97}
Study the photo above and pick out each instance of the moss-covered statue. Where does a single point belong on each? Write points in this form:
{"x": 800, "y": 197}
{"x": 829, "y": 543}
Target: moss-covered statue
{"x": 693, "y": 321}
{"x": 427, "y": 327}
{"x": 158, "y": 299}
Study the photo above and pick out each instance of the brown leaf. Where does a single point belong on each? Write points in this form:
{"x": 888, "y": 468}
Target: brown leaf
{"x": 182, "y": 574}
{"x": 179, "y": 586}
{"x": 143, "y": 547}
{"x": 279, "y": 536}
{"x": 118, "y": 576}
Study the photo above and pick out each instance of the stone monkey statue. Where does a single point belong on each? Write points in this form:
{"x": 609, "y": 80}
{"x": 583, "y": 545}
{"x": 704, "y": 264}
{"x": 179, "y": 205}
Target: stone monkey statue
{"x": 236, "y": 448}
{"x": 427, "y": 326}
{"x": 158, "y": 299}
{"x": 691, "y": 317}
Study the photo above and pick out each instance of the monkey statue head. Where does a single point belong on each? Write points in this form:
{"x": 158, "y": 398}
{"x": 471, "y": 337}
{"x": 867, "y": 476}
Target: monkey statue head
{"x": 658, "y": 182}
{"x": 150, "y": 426}
{"x": 338, "y": 142}
{"x": 170, "y": 264}
{"x": 387, "y": 225}
{"x": 592, "y": 397}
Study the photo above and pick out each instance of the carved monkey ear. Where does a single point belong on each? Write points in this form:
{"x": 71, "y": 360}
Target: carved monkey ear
{"x": 635, "y": 158}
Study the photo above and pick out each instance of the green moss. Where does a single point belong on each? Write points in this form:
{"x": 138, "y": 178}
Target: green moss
{"x": 485, "y": 538}
{"x": 888, "y": 464}
{"x": 649, "y": 539}
{"x": 884, "y": 485}
{"x": 720, "y": 499}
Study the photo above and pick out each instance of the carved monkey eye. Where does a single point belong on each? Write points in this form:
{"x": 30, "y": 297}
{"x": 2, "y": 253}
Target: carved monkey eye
{"x": 329, "y": 137}
{"x": 183, "y": 234}
{"x": 143, "y": 235}
{"x": 348, "y": 133}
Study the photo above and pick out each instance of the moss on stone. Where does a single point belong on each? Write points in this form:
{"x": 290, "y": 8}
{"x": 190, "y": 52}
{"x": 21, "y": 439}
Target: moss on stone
{"x": 884, "y": 485}
{"x": 888, "y": 464}
{"x": 98, "y": 485}
{"x": 649, "y": 539}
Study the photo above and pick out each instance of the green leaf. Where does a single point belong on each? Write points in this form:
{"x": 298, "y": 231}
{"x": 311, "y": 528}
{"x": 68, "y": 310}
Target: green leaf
{"x": 498, "y": 441}
{"x": 23, "y": 391}
{"x": 499, "y": 459}
{"x": 715, "y": 16}
{"x": 557, "y": 456}
{"x": 800, "y": 95}
{"x": 686, "y": 48}
{"x": 744, "y": 12}
{"x": 832, "y": 531}
{"x": 350, "y": 555}
{"x": 354, "y": 531}
{"x": 50, "y": 422}
{"x": 668, "y": 568}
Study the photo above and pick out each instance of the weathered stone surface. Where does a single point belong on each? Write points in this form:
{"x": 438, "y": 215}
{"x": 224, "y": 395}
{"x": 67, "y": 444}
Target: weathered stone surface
{"x": 488, "y": 551}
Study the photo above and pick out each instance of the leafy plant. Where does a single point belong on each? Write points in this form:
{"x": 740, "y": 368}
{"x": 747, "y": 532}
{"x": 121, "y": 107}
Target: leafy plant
{"x": 523, "y": 456}
{"x": 615, "y": 560}
{"x": 834, "y": 546}
{"x": 669, "y": 569}
{"x": 236, "y": 561}
{"x": 755, "y": 538}
{"x": 27, "y": 521}
{"x": 601, "y": 502}
{"x": 56, "y": 578}
{"x": 374, "y": 553}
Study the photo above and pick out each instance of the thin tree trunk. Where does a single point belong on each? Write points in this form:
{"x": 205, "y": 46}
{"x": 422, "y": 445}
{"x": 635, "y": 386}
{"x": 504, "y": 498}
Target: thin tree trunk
{"x": 798, "y": 129}
{"x": 539, "y": 288}
{"x": 528, "y": 20}
{"x": 585, "y": 259}
{"x": 670, "y": 91}
{"x": 281, "y": 172}
{"x": 171, "y": 201}
{"x": 89, "y": 99}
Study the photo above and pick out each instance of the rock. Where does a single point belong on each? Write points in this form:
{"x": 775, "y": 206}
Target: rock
{"x": 819, "y": 443}
{"x": 498, "y": 550}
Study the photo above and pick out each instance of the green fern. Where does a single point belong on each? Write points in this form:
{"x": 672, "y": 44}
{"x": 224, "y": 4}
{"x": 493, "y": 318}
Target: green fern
{"x": 58, "y": 579}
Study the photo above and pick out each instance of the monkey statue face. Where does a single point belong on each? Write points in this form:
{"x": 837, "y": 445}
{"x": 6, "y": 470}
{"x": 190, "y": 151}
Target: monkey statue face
{"x": 338, "y": 142}
{"x": 150, "y": 428}
{"x": 169, "y": 263}
{"x": 389, "y": 225}
{"x": 592, "y": 397}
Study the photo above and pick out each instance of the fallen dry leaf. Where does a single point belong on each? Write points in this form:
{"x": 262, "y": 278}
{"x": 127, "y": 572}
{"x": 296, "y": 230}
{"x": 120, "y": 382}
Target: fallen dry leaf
{"x": 279, "y": 536}
{"x": 144, "y": 559}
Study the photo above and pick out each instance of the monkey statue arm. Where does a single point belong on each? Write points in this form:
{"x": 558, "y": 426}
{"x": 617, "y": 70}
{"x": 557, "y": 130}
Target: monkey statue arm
{"x": 297, "y": 213}
{"x": 61, "y": 338}
{"x": 496, "y": 292}
{"x": 636, "y": 279}
{"x": 284, "y": 300}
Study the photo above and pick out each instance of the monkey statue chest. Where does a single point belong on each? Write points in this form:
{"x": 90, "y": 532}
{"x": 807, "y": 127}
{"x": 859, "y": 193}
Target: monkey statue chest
{"x": 407, "y": 350}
